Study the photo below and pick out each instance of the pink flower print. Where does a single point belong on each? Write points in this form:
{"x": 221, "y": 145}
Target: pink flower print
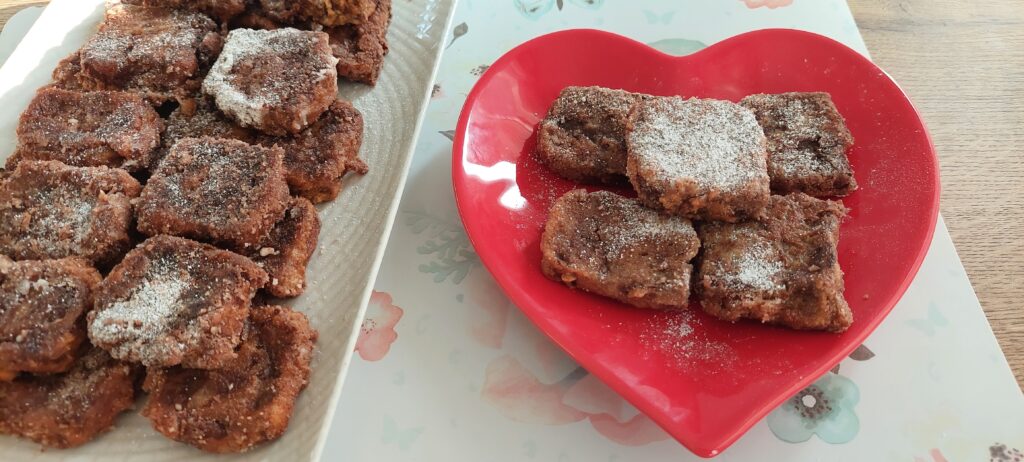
{"x": 488, "y": 319}
{"x": 610, "y": 415}
{"x": 637, "y": 431}
{"x": 936, "y": 456}
{"x": 772, "y": 4}
{"x": 378, "y": 331}
{"x": 519, "y": 395}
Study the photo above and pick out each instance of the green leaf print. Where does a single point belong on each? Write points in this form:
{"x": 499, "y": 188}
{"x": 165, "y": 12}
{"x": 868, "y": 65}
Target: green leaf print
{"x": 448, "y": 245}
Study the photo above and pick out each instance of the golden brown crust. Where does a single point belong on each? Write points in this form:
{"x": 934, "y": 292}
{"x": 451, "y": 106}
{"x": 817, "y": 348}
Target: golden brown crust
{"x": 215, "y": 190}
{"x": 247, "y": 402}
{"x": 612, "y": 246}
{"x": 156, "y": 52}
{"x": 90, "y": 129}
{"x": 286, "y": 251}
{"x": 782, "y": 269}
{"x": 807, "y": 143}
{"x": 68, "y": 74}
{"x": 50, "y": 210}
{"x": 324, "y": 12}
{"x": 69, "y": 409}
{"x": 41, "y": 307}
{"x": 316, "y": 160}
{"x": 200, "y": 119}
{"x": 174, "y": 301}
{"x": 276, "y": 81}
{"x": 583, "y": 136}
{"x": 360, "y": 48}
{"x": 222, "y": 10}
{"x": 698, "y": 158}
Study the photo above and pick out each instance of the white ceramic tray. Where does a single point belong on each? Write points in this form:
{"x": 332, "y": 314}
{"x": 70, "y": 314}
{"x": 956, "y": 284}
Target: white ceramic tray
{"x": 355, "y": 226}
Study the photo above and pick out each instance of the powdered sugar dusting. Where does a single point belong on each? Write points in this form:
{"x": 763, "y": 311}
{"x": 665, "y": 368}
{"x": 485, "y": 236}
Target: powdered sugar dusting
{"x": 715, "y": 144}
{"x": 620, "y": 225}
{"x": 680, "y": 336}
{"x": 248, "y": 47}
{"x": 143, "y": 318}
{"x": 756, "y": 268}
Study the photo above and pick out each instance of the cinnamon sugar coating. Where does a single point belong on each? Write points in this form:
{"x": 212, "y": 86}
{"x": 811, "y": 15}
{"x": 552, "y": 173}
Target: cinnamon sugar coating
{"x": 90, "y": 129}
{"x": 807, "y": 143}
{"x": 70, "y": 409}
{"x": 276, "y": 81}
{"x": 285, "y": 252}
{"x": 317, "y": 159}
{"x": 246, "y": 402}
{"x": 613, "y": 246}
{"x": 360, "y": 48}
{"x": 782, "y": 269}
{"x": 156, "y": 52}
{"x": 41, "y": 307}
{"x": 324, "y": 12}
{"x": 698, "y": 158}
{"x": 50, "y": 210}
{"x": 198, "y": 119}
{"x": 174, "y": 301}
{"x": 215, "y": 190}
{"x": 221, "y": 10}
{"x": 583, "y": 136}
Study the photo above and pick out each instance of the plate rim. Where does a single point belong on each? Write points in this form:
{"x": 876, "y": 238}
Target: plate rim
{"x": 460, "y": 177}
{"x": 316, "y": 449}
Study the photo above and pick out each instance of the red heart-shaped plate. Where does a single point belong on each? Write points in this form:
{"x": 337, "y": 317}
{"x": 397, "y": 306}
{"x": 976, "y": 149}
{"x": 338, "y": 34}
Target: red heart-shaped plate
{"x": 702, "y": 380}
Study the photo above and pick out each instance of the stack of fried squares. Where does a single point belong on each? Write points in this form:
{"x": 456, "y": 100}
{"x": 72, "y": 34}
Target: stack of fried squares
{"x": 732, "y": 202}
{"x": 162, "y": 191}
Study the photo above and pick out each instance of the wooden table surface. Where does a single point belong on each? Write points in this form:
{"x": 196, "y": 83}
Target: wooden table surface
{"x": 962, "y": 62}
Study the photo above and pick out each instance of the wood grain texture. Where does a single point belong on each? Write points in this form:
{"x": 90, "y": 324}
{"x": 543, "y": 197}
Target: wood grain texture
{"x": 962, "y": 62}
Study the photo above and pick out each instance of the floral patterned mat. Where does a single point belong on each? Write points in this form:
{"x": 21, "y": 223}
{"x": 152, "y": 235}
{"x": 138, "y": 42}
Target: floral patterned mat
{"x": 450, "y": 369}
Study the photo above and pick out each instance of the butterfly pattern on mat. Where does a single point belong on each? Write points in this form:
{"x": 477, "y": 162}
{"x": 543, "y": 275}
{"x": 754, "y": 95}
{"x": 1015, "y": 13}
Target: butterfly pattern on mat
{"x": 403, "y": 438}
{"x": 929, "y": 325}
{"x": 533, "y": 9}
{"x": 659, "y": 18}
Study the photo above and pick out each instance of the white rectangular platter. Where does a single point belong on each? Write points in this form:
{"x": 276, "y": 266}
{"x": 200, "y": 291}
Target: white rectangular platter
{"x": 355, "y": 226}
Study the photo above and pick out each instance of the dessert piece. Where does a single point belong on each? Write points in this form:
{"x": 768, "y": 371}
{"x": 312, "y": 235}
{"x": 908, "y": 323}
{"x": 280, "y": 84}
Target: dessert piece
{"x": 174, "y": 301}
{"x": 222, "y": 10}
{"x": 68, "y": 74}
{"x": 316, "y": 160}
{"x": 247, "y": 402}
{"x": 98, "y": 128}
{"x": 324, "y": 12}
{"x": 360, "y": 48}
{"x": 41, "y": 304}
{"x": 156, "y": 52}
{"x": 583, "y": 137}
{"x": 276, "y": 81}
{"x": 807, "y": 143}
{"x": 200, "y": 119}
{"x": 613, "y": 246}
{"x": 782, "y": 269}
{"x": 217, "y": 190}
{"x": 69, "y": 409}
{"x": 698, "y": 158}
{"x": 50, "y": 210}
{"x": 284, "y": 253}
